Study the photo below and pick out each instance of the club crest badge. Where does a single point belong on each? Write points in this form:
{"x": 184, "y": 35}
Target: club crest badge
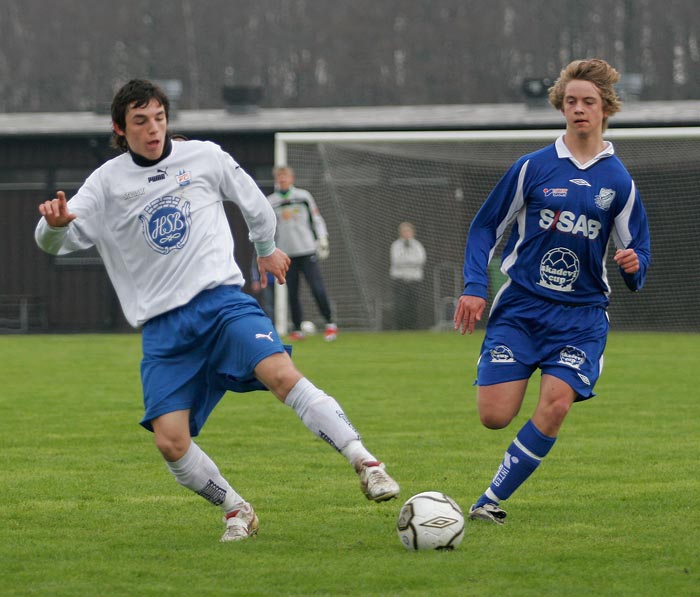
{"x": 501, "y": 354}
{"x": 604, "y": 198}
{"x": 183, "y": 178}
{"x": 166, "y": 224}
{"x": 572, "y": 356}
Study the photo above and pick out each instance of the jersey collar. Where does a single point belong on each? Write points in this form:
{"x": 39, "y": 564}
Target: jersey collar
{"x": 139, "y": 160}
{"x": 287, "y": 192}
{"x": 564, "y": 153}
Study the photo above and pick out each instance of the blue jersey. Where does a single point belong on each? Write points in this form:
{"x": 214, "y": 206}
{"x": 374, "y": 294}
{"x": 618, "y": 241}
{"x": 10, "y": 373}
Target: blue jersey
{"x": 563, "y": 215}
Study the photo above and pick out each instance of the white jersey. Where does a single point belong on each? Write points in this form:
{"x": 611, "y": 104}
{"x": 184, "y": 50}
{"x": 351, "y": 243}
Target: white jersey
{"x": 161, "y": 229}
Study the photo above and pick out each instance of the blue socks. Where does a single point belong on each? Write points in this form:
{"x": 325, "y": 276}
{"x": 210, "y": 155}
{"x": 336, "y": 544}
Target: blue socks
{"x": 521, "y": 459}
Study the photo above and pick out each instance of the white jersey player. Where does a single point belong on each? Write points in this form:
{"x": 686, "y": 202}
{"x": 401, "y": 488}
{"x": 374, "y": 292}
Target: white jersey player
{"x": 155, "y": 215}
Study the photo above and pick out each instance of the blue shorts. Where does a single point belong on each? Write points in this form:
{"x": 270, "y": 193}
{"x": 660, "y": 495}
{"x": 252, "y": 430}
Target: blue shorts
{"x": 193, "y": 354}
{"x": 525, "y": 333}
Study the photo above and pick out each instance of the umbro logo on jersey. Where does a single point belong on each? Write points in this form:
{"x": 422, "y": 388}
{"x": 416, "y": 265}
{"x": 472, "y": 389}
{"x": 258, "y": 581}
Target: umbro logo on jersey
{"x": 580, "y": 182}
{"x": 267, "y": 336}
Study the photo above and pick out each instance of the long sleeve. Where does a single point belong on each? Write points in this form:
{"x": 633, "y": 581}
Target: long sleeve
{"x": 632, "y": 231}
{"x": 490, "y": 223}
{"x": 239, "y": 187}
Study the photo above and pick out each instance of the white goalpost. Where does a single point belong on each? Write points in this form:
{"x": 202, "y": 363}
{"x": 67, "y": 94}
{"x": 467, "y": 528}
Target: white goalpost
{"x": 366, "y": 183}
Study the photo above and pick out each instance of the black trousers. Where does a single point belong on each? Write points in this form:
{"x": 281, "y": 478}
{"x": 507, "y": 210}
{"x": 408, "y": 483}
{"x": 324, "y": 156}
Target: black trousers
{"x": 406, "y": 304}
{"x": 306, "y": 265}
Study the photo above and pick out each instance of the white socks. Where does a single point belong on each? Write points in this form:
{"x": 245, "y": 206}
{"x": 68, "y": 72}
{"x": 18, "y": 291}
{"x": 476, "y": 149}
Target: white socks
{"x": 324, "y": 417}
{"x": 321, "y": 414}
{"x": 196, "y": 471}
{"x": 356, "y": 454}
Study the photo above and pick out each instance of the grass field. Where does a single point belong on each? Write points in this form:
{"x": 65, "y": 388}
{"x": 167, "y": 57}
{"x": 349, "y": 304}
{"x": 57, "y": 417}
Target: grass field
{"x": 88, "y": 508}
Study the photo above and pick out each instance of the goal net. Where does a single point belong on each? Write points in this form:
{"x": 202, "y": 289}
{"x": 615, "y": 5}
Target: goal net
{"x": 366, "y": 184}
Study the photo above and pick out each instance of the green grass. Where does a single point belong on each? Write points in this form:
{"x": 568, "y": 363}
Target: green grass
{"x": 87, "y": 507}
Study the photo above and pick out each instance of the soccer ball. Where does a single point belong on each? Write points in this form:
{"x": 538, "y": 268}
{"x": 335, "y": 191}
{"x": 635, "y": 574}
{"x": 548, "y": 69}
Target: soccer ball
{"x": 308, "y": 327}
{"x": 430, "y": 520}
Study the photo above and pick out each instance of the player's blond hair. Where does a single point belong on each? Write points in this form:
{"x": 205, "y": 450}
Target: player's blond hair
{"x": 596, "y": 71}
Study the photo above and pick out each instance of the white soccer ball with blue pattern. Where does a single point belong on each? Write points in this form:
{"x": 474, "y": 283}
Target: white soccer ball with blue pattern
{"x": 430, "y": 520}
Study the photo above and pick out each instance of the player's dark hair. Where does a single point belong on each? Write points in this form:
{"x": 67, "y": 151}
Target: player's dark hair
{"x": 134, "y": 94}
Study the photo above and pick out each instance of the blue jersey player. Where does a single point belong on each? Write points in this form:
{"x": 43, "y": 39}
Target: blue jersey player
{"x": 565, "y": 202}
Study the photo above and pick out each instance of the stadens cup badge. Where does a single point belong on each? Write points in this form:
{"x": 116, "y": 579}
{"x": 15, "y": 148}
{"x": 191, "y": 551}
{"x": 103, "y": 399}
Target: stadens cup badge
{"x": 166, "y": 224}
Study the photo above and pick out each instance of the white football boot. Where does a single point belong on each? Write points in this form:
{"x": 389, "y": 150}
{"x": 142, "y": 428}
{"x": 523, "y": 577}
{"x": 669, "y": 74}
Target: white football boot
{"x": 376, "y": 483}
{"x": 240, "y": 524}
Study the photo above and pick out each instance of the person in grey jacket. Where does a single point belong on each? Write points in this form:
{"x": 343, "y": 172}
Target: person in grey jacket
{"x": 303, "y": 236}
{"x": 406, "y": 273}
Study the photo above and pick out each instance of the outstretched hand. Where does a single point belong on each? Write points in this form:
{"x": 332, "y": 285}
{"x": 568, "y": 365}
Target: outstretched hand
{"x": 277, "y": 264}
{"x": 469, "y": 311}
{"x": 55, "y": 211}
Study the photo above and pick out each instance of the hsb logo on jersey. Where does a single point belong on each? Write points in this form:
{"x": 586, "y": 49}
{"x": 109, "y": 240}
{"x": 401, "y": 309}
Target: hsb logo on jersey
{"x": 166, "y": 224}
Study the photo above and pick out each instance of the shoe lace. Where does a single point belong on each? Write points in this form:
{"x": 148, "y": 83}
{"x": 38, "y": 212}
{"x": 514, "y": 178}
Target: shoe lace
{"x": 236, "y": 527}
{"x": 375, "y": 475}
